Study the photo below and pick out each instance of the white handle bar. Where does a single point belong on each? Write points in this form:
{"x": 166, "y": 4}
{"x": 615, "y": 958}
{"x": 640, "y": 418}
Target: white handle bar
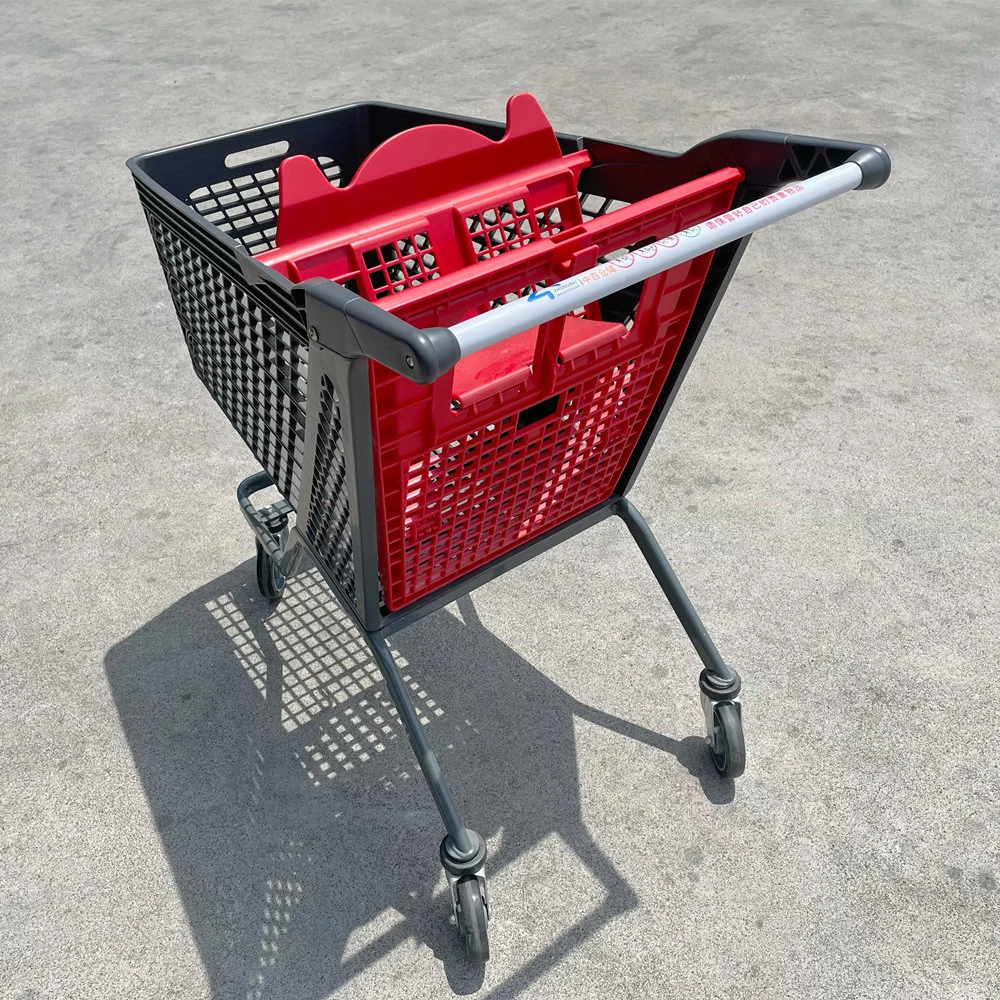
{"x": 571, "y": 293}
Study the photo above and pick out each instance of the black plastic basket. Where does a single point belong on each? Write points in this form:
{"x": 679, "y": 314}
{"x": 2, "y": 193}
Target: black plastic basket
{"x": 246, "y": 326}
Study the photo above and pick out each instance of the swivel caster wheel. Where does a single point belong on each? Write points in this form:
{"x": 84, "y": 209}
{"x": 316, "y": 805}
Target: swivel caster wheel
{"x": 472, "y": 919}
{"x": 270, "y": 581}
{"x": 728, "y": 749}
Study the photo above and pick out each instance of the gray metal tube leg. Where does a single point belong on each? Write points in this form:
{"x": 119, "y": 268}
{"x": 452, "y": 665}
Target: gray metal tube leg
{"x": 678, "y": 599}
{"x": 464, "y": 843}
{"x": 719, "y": 683}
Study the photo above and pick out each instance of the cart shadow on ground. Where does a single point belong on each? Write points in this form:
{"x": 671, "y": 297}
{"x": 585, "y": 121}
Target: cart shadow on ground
{"x": 300, "y": 833}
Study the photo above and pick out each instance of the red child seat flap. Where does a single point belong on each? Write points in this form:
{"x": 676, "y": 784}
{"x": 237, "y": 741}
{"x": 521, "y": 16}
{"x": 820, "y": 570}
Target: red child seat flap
{"x": 419, "y": 177}
{"x": 440, "y": 223}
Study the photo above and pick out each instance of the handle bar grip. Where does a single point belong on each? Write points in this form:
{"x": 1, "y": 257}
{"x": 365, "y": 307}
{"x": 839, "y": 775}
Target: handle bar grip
{"x": 353, "y": 326}
{"x": 866, "y": 168}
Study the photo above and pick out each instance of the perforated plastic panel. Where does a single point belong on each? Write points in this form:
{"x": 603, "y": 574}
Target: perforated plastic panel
{"x": 329, "y": 528}
{"x": 245, "y": 206}
{"x": 480, "y": 495}
{"x": 253, "y": 364}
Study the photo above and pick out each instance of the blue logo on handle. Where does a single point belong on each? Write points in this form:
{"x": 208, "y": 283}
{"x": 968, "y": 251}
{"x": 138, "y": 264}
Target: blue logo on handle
{"x": 543, "y": 293}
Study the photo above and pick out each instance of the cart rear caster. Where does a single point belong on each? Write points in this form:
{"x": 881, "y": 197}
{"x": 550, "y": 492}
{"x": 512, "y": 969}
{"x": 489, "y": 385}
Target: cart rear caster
{"x": 270, "y": 581}
{"x": 721, "y": 703}
{"x": 470, "y": 907}
{"x": 472, "y": 919}
{"x": 728, "y": 749}
{"x": 271, "y": 524}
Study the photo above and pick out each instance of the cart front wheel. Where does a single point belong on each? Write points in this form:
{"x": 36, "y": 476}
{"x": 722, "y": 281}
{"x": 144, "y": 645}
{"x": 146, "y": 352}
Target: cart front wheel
{"x": 728, "y": 749}
{"x": 270, "y": 582}
{"x": 472, "y": 919}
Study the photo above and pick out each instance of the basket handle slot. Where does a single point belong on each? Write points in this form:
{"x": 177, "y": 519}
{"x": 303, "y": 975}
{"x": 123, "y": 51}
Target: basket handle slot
{"x": 533, "y": 414}
{"x": 255, "y": 154}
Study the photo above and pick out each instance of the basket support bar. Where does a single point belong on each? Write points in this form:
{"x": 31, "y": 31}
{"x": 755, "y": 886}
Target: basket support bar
{"x": 675, "y": 594}
{"x": 574, "y": 292}
{"x": 464, "y": 843}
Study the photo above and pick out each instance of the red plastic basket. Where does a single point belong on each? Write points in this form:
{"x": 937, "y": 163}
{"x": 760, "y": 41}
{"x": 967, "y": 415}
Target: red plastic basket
{"x": 439, "y": 224}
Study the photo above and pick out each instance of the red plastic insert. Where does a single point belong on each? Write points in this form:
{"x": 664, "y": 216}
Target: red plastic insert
{"x": 440, "y": 223}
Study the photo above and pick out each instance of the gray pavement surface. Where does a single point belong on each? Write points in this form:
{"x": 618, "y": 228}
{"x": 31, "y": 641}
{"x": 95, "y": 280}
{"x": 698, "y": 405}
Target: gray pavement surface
{"x": 179, "y": 817}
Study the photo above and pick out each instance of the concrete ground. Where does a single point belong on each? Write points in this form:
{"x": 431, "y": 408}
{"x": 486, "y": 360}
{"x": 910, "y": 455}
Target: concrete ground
{"x": 179, "y": 819}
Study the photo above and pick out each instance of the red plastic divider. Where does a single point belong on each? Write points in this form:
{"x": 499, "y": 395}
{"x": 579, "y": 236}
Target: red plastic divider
{"x": 440, "y": 223}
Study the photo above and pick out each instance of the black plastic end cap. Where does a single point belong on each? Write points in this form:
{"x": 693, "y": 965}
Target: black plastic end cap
{"x": 437, "y": 351}
{"x": 458, "y": 865}
{"x": 421, "y": 355}
{"x": 875, "y": 166}
{"x": 718, "y": 689}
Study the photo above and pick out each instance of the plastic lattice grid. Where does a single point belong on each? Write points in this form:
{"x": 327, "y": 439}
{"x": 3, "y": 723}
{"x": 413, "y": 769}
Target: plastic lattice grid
{"x": 401, "y": 264}
{"x": 493, "y": 231}
{"x": 481, "y": 495}
{"x": 497, "y": 230}
{"x": 329, "y": 529}
{"x": 253, "y": 364}
{"x": 620, "y": 307}
{"x": 246, "y": 206}
{"x": 549, "y": 221}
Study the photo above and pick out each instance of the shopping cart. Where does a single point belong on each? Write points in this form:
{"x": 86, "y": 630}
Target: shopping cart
{"x": 450, "y": 344}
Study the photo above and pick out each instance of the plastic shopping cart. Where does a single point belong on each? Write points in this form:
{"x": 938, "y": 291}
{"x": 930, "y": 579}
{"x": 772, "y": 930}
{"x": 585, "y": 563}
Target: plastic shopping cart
{"x": 450, "y": 344}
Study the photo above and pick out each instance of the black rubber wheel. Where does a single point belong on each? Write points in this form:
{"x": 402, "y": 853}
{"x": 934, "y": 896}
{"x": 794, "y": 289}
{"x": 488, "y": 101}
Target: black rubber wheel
{"x": 472, "y": 919}
{"x": 731, "y": 762}
{"x": 270, "y": 582}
